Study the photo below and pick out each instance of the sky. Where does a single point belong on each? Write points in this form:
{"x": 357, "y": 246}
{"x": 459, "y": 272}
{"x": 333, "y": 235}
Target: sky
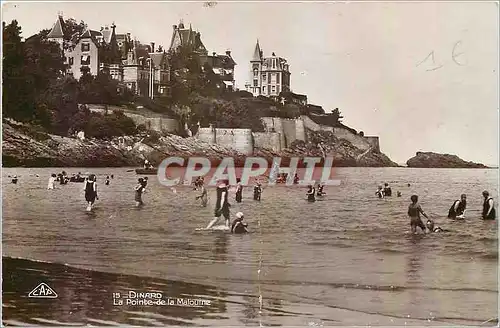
{"x": 423, "y": 76}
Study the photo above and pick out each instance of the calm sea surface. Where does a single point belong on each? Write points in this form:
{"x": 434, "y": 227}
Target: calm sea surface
{"x": 346, "y": 260}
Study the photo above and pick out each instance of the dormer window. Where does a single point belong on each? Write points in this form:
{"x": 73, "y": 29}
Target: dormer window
{"x": 85, "y": 47}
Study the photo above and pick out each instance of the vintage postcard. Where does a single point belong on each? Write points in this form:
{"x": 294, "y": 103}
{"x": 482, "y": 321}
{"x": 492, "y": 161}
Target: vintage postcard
{"x": 250, "y": 163}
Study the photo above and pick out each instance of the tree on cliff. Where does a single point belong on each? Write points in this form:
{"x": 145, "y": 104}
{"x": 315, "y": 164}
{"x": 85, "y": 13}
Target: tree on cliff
{"x": 335, "y": 116}
{"x": 28, "y": 70}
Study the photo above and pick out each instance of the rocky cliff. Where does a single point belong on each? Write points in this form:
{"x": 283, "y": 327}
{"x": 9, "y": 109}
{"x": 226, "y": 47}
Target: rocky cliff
{"x": 435, "y": 160}
{"x": 23, "y": 146}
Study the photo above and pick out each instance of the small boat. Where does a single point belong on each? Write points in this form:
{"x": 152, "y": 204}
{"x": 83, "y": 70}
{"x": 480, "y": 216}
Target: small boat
{"x": 77, "y": 179}
{"x": 149, "y": 171}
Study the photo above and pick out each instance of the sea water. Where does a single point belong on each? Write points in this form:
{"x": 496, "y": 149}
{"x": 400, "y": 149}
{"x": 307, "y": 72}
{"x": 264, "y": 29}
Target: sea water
{"x": 345, "y": 260}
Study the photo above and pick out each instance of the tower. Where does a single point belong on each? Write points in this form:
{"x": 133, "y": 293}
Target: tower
{"x": 56, "y": 34}
{"x": 255, "y": 71}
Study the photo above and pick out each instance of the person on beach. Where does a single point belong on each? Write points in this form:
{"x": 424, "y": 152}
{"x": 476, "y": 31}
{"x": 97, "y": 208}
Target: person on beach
{"x": 488, "y": 207}
{"x": 107, "y": 181}
{"x": 432, "y": 228}
{"x": 14, "y": 179}
{"x": 139, "y": 189}
{"x": 380, "y": 192}
{"x": 257, "y": 191}
{"x": 221, "y": 205}
{"x": 112, "y": 176}
{"x": 457, "y": 209}
{"x": 52, "y": 181}
{"x": 90, "y": 191}
{"x": 238, "y": 226}
{"x": 239, "y": 190}
{"x": 387, "y": 190}
{"x": 310, "y": 193}
{"x": 296, "y": 179}
{"x": 414, "y": 211}
{"x": 203, "y": 195}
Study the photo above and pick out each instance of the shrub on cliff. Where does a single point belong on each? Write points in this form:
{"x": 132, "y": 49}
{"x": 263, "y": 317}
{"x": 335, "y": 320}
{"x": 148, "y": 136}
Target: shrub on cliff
{"x": 108, "y": 126}
{"x": 237, "y": 114}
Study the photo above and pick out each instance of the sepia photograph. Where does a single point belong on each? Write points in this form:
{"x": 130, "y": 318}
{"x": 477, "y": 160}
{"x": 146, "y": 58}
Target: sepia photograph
{"x": 250, "y": 163}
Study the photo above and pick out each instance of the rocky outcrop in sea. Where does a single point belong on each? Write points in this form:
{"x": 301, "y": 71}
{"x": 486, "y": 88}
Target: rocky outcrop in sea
{"x": 23, "y": 146}
{"x": 435, "y": 160}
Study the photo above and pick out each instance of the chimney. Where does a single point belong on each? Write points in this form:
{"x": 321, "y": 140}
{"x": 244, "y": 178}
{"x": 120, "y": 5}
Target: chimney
{"x": 175, "y": 27}
{"x": 102, "y": 28}
{"x": 228, "y": 52}
{"x": 214, "y": 53}
{"x": 152, "y": 47}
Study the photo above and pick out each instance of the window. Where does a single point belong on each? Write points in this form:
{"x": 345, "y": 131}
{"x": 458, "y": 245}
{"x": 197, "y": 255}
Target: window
{"x": 278, "y": 78}
{"x": 264, "y": 77}
{"x": 85, "y": 60}
{"x": 255, "y": 83}
{"x": 274, "y": 63}
{"x": 255, "y": 72}
{"x": 85, "y": 46}
{"x": 70, "y": 60}
{"x": 273, "y": 89}
{"x": 264, "y": 89}
{"x": 273, "y": 78}
{"x": 278, "y": 89}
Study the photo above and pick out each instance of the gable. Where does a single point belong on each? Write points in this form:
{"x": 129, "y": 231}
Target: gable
{"x": 176, "y": 40}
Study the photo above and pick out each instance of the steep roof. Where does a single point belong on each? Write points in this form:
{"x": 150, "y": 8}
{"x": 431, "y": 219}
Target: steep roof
{"x": 159, "y": 59}
{"x": 218, "y": 61}
{"x": 187, "y": 37}
{"x": 257, "y": 53}
{"x": 90, "y": 34}
{"x": 280, "y": 63}
{"x": 58, "y": 29}
{"x": 106, "y": 34}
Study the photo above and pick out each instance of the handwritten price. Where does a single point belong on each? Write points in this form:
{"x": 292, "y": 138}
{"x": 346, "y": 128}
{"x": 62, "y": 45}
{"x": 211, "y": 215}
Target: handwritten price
{"x": 435, "y": 66}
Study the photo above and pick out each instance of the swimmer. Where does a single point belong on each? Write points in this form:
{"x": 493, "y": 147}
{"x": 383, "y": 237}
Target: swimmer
{"x": 52, "y": 181}
{"x": 432, "y": 228}
{"x": 387, "y": 190}
{"x": 221, "y": 205}
{"x": 257, "y": 191}
{"x": 238, "y": 226}
{"x": 107, "y": 181}
{"x": 457, "y": 209}
{"x": 203, "y": 196}
{"x": 144, "y": 184}
{"x": 414, "y": 211}
{"x": 320, "y": 190}
{"x": 488, "y": 207}
{"x": 239, "y": 190}
{"x": 139, "y": 189}
{"x": 380, "y": 192}
{"x": 14, "y": 179}
{"x": 90, "y": 191}
{"x": 310, "y": 194}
